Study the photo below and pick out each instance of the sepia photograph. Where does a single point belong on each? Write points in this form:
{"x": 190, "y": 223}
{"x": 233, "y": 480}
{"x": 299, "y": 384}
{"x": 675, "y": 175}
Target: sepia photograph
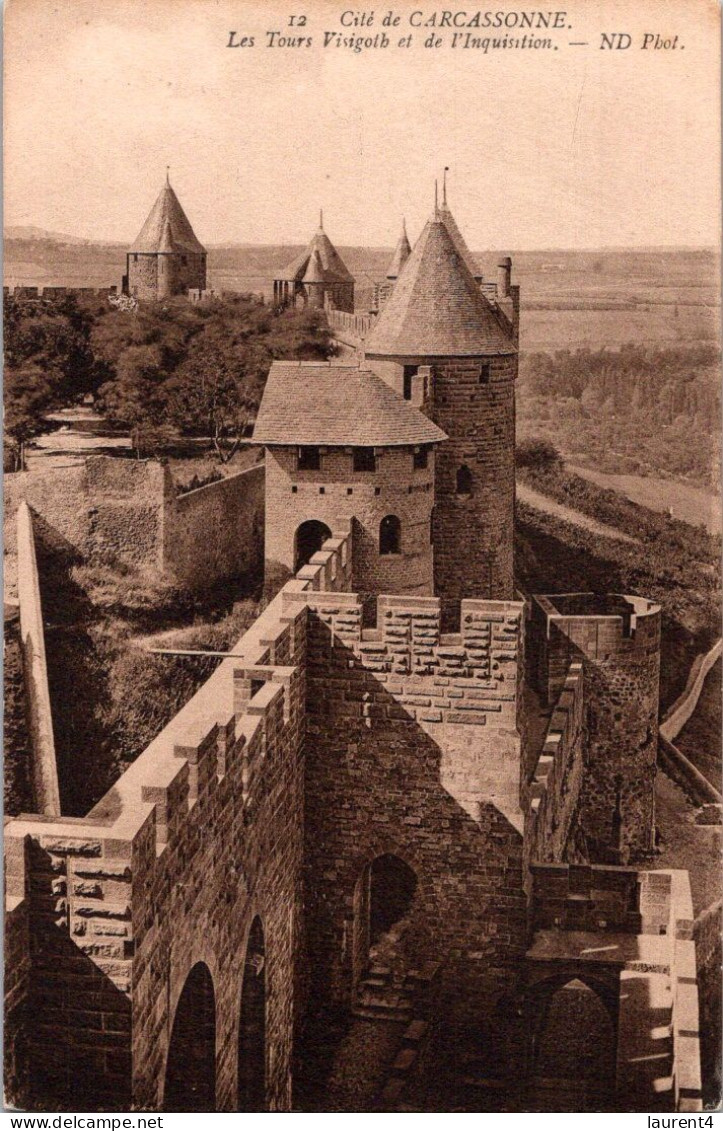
{"x": 362, "y": 559}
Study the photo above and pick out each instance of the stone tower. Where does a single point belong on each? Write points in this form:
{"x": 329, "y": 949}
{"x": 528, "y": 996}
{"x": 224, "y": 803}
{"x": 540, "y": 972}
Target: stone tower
{"x": 316, "y": 278}
{"x": 344, "y": 452}
{"x": 166, "y": 259}
{"x": 448, "y": 343}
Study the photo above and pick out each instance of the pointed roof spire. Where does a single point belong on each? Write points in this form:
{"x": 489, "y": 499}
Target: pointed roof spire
{"x": 401, "y": 254}
{"x": 458, "y": 240}
{"x": 436, "y": 308}
{"x": 321, "y": 219}
{"x": 167, "y": 228}
{"x": 314, "y": 272}
{"x": 168, "y": 174}
{"x": 332, "y": 265}
{"x": 444, "y": 186}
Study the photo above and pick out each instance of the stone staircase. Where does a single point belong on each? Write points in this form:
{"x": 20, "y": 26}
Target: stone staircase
{"x": 645, "y": 1041}
{"x": 387, "y": 996}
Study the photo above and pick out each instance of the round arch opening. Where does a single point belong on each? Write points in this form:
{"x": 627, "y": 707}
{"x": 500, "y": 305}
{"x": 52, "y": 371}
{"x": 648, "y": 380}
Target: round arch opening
{"x": 191, "y": 1064}
{"x": 309, "y": 539}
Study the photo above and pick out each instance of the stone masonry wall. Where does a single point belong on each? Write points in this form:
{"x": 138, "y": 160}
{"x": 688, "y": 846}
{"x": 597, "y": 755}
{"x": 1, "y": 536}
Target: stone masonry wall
{"x": 474, "y": 535}
{"x": 103, "y": 506}
{"x": 617, "y": 640}
{"x": 552, "y": 797}
{"x": 337, "y": 494}
{"x": 412, "y": 749}
{"x": 128, "y": 510}
{"x": 216, "y": 532}
{"x": 203, "y": 833}
{"x": 43, "y": 770}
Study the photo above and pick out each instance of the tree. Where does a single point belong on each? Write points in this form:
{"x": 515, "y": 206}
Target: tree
{"x": 49, "y": 364}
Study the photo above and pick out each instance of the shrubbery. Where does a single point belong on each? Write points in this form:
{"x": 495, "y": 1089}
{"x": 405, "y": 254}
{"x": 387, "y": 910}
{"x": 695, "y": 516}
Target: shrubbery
{"x": 638, "y": 409}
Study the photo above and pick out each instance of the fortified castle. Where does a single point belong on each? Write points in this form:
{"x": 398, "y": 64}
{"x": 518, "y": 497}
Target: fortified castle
{"x": 412, "y": 796}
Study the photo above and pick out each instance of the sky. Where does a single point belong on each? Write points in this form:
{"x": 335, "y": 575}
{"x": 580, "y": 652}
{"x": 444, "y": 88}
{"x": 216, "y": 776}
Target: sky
{"x": 576, "y": 147}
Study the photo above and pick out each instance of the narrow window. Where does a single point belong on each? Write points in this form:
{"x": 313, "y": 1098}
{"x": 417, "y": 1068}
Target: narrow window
{"x": 410, "y": 371}
{"x": 464, "y": 480}
{"x": 421, "y": 458}
{"x": 390, "y": 535}
{"x": 309, "y": 459}
{"x": 364, "y": 459}
{"x": 484, "y": 373}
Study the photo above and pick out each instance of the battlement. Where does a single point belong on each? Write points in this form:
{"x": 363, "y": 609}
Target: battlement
{"x": 605, "y": 629}
{"x": 50, "y": 294}
{"x": 552, "y": 795}
{"x": 470, "y": 677}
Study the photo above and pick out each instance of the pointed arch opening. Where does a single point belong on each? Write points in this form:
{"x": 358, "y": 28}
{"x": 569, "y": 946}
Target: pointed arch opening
{"x": 252, "y": 1025}
{"x": 310, "y": 537}
{"x": 576, "y": 1041}
{"x": 191, "y": 1064}
{"x": 383, "y": 898}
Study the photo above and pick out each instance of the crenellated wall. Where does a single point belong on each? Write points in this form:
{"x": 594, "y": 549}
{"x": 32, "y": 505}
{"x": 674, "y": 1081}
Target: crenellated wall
{"x": 552, "y": 796}
{"x": 201, "y": 835}
{"x": 617, "y": 640}
{"x": 412, "y": 750}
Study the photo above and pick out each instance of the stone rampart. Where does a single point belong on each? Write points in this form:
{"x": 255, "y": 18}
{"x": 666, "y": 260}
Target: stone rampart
{"x": 413, "y": 752}
{"x": 617, "y": 640}
{"x": 199, "y": 838}
{"x": 216, "y": 531}
{"x": 44, "y": 771}
{"x": 127, "y": 510}
{"x": 552, "y": 796}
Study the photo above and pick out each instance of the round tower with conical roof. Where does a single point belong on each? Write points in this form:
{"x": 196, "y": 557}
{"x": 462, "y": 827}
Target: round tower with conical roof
{"x": 448, "y": 346}
{"x": 166, "y": 259}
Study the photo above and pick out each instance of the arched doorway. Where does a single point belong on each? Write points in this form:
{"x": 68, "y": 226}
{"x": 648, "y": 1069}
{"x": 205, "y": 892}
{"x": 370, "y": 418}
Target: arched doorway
{"x": 191, "y": 1064}
{"x": 310, "y": 537}
{"x": 383, "y": 898}
{"x": 575, "y": 1047}
{"x": 252, "y": 1025}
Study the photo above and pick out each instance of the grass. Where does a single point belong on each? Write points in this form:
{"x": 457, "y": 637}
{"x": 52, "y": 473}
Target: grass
{"x": 111, "y": 696}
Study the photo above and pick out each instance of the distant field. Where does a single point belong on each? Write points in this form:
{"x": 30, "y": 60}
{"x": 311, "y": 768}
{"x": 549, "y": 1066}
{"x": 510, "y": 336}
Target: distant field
{"x": 691, "y": 504}
{"x": 570, "y": 299}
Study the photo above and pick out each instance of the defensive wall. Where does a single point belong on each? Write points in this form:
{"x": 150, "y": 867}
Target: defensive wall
{"x": 336, "y": 495}
{"x": 628, "y": 935}
{"x": 551, "y": 797}
{"x": 617, "y": 641}
{"x": 44, "y": 771}
{"x": 55, "y": 293}
{"x": 427, "y": 772}
{"x": 228, "y": 862}
{"x": 128, "y": 510}
{"x": 199, "y": 840}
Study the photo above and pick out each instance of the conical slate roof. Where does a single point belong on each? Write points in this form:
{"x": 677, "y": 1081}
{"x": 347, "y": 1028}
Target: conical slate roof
{"x": 337, "y": 405}
{"x": 332, "y": 265}
{"x": 167, "y": 228}
{"x": 315, "y": 271}
{"x": 401, "y": 255}
{"x": 436, "y": 308}
{"x": 459, "y": 241}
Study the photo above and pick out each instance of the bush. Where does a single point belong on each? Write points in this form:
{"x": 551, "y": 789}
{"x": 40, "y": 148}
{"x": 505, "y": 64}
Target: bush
{"x": 537, "y": 453}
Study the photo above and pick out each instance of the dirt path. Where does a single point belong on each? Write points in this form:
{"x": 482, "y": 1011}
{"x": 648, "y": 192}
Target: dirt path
{"x": 542, "y": 502}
